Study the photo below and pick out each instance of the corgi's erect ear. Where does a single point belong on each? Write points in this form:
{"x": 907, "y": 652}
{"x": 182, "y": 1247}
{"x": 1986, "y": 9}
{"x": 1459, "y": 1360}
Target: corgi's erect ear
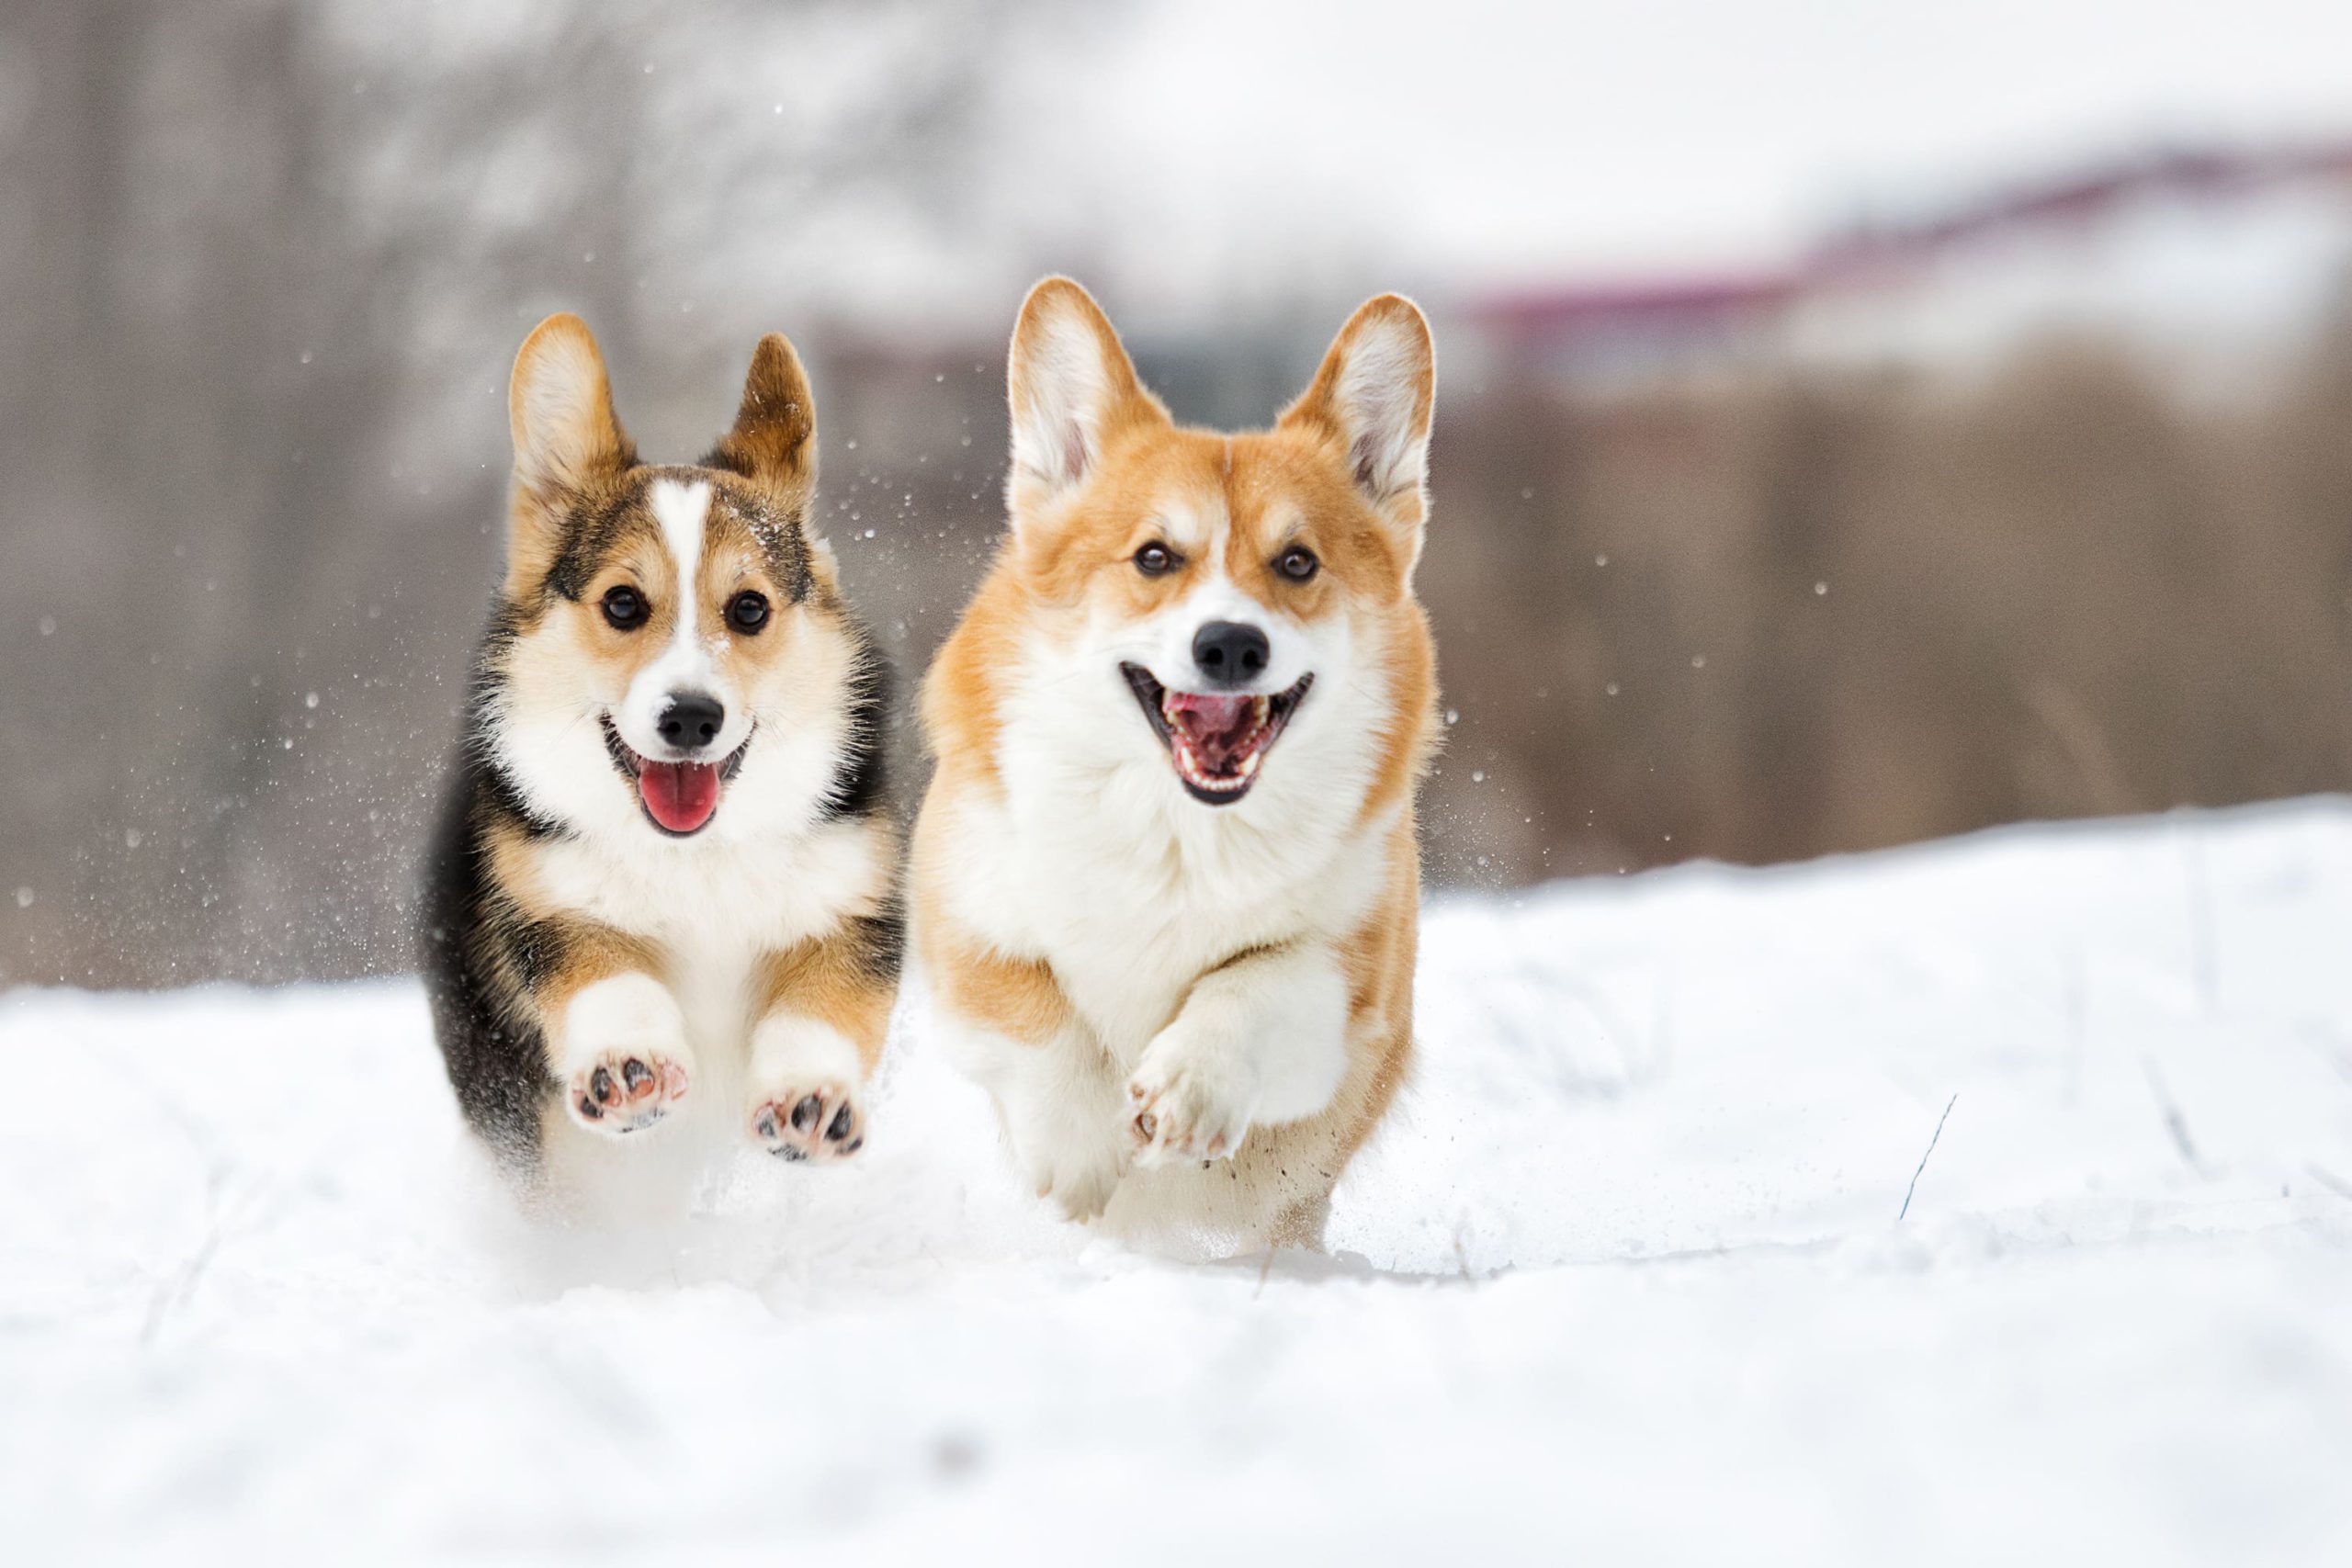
{"x": 1373, "y": 396}
{"x": 1073, "y": 390}
{"x": 561, "y": 406}
{"x": 773, "y": 443}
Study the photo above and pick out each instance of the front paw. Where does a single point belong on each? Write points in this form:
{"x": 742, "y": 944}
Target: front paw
{"x": 623, "y": 1091}
{"x": 1183, "y": 1109}
{"x": 820, "y": 1122}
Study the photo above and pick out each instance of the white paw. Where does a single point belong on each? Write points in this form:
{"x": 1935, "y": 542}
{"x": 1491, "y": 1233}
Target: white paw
{"x": 1185, "y": 1105}
{"x": 1080, "y": 1187}
{"x": 806, "y": 1093}
{"x": 622, "y": 1058}
{"x": 1057, "y": 1105}
{"x": 818, "y": 1121}
{"x": 623, "y": 1091}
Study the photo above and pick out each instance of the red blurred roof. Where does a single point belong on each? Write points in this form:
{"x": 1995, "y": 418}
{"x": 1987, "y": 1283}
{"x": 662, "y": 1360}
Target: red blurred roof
{"x": 1611, "y": 305}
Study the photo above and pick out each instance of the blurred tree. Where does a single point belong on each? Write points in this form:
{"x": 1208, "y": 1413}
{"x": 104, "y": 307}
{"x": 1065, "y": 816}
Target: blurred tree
{"x": 268, "y": 262}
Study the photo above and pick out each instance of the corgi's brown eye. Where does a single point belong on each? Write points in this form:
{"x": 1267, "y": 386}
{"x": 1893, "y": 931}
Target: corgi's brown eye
{"x": 1297, "y": 563}
{"x": 747, "y": 611}
{"x": 1156, "y": 560}
{"x": 625, "y": 608}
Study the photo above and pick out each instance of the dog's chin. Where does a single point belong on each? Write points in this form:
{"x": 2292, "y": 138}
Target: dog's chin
{"x": 1217, "y": 742}
{"x": 680, "y": 799}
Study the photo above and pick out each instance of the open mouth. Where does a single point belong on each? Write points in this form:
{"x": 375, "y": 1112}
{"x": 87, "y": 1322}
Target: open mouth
{"x": 680, "y": 798}
{"x": 1219, "y": 743}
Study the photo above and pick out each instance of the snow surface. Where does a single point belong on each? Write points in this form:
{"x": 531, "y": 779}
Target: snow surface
{"x": 1624, "y": 1279}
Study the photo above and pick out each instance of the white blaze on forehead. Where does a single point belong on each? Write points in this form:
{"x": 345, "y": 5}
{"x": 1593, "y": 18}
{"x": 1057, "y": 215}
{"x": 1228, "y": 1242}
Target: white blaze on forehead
{"x": 1200, "y": 528}
{"x": 681, "y": 509}
{"x": 686, "y": 664}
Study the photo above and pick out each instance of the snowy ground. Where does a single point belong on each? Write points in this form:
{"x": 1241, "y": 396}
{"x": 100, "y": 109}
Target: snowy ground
{"x": 1624, "y": 1279}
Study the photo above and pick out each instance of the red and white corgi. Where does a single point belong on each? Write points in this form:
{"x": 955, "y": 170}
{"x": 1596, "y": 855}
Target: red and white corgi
{"x": 1166, "y": 878}
{"x": 666, "y": 887}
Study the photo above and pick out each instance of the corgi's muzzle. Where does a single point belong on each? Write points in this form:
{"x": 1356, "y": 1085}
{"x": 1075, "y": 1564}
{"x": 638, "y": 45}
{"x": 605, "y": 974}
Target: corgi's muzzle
{"x": 1217, "y": 741}
{"x": 679, "y": 797}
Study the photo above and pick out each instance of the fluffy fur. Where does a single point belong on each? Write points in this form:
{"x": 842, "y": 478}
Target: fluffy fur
{"x": 1188, "y": 991}
{"x": 665, "y": 636}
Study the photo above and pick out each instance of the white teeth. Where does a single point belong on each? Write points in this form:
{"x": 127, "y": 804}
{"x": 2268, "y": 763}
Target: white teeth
{"x": 1191, "y": 769}
{"x": 1227, "y": 782}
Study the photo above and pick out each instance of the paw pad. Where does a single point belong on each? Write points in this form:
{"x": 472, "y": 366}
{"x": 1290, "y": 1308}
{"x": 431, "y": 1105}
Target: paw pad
{"x": 822, "y": 1123}
{"x": 624, "y": 1091}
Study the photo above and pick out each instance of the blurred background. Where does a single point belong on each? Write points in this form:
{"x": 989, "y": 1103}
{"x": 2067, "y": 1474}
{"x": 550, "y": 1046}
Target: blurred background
{"x": 1855, "y": 426}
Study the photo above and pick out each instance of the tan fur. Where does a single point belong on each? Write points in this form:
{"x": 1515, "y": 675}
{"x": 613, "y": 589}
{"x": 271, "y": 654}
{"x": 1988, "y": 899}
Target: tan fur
{"x": 1378, "y": 957}
{"x": 832, "y": 980}
{"x": 1016, "y": 997}
{"x": 1067, "y": 561}
{"x": 586, "y": 954}
{"x": 578, "y": 952}
{"x": 568, "y": 445}
{"x": 773, "y": 442}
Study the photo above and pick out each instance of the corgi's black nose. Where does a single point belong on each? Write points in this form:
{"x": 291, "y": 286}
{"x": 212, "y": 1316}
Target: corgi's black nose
{"x": 1231, "y": 653}
{"x": 691, "y": 721}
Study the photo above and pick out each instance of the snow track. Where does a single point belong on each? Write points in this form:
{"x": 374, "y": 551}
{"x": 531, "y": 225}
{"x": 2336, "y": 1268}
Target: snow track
{"x": 1622, "y": 1280}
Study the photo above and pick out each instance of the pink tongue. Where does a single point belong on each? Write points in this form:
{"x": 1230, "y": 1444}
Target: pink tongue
{"x": 682, "y": 795}
{"x": 1212, "y": 724}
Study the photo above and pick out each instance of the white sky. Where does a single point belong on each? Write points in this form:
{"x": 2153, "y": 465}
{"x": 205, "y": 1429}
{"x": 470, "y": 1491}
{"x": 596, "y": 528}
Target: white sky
{"x": 1478, "y": 141}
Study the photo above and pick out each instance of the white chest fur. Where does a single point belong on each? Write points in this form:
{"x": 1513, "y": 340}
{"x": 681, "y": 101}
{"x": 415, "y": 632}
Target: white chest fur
{"x": 1168, "y": 892}
{"x": 1094, "y": 858}
{"x": 716, "y": 908}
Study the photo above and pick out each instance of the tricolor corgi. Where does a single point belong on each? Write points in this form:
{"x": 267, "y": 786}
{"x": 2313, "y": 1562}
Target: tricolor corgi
{"x": 664, "y": 890}
{"x": 1165, "y": 879}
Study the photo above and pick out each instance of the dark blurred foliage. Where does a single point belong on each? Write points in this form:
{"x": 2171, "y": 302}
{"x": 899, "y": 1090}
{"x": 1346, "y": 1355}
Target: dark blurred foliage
{"x": 1806, "y": 613}
{"x": 263, "y": 265}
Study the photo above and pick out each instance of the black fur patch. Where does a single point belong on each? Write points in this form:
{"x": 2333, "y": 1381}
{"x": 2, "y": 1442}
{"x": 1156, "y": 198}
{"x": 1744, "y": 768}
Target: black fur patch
{"x": 862, "y": 778}
{"x": 880, "y": 939}
{"x": 538, "y": 948}
{"x": 480, "y": 957}
{"x": 783, "y": 543}
{"x": 589, "y": 530}
{"x": 498, "y": 792}
{"x": 595, "y": 523}
{"x": 488, "y": 1042}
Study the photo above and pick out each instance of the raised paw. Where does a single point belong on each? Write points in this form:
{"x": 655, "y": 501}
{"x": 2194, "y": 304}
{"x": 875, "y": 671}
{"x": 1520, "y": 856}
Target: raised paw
{"x": 821, "y": 1123}
{"x": 625, "y": 1091}
{"x": 1180, "y": 1114}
